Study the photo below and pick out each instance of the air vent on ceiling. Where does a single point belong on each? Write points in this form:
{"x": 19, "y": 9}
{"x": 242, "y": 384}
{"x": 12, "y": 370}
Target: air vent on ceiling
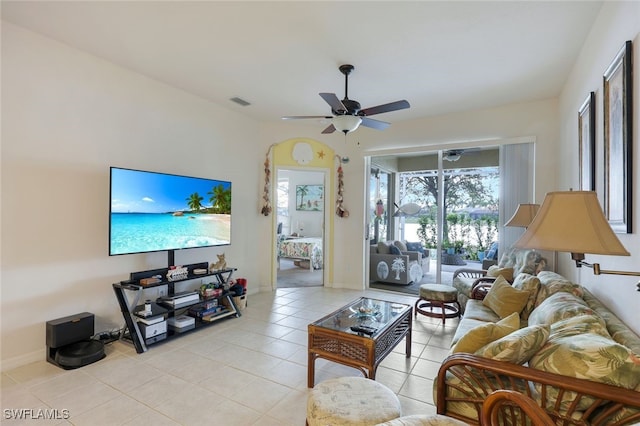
{"x": 240, "y": 101}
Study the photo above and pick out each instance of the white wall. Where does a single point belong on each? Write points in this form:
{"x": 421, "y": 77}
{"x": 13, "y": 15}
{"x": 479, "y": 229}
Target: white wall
{"x": 490, "y": 126}
{"x": 616, "y": 23}
{"x": 67, "y": 117}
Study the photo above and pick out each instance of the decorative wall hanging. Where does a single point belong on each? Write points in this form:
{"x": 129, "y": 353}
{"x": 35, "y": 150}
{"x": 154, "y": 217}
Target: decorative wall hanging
{"x": 340, "y": 210}
{"x": 266, "y": 196}
{"x": 302, "y": 153}
{"x": 587, "y": 143}
{"x": 618, "y": 126}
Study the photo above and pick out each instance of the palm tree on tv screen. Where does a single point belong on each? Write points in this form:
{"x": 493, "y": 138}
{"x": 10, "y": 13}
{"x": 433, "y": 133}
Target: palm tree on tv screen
{"x": 220, "y": 199}
{"x": 195, "y": 201}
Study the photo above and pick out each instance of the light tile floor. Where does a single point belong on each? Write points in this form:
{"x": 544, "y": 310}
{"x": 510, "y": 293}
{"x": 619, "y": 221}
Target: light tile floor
{"x": 243, "y": 371}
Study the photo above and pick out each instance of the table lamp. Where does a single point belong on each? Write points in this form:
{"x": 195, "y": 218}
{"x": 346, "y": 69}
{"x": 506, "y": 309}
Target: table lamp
{"x": 572, "y": 221}
{"x": 523, "y": 216}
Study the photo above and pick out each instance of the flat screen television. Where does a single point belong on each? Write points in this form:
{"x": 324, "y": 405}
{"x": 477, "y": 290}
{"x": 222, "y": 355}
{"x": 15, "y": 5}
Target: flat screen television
{"x": 152, "y": 211}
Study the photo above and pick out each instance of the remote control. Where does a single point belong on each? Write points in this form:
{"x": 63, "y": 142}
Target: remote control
{"x": 363, "y": 329}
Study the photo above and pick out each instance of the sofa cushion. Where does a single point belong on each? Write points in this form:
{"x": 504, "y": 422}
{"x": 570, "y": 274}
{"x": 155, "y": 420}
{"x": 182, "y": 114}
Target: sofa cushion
{"x": 483, "y": 334}
{"x": 618, "y": 330}
{"x": 579, "y": 325}
{"x": 495, "y": 271}
{"x": 529, "y": 283}
{"x": 504, "y": 299}
{"x": 476, "y": 310}
{"x": 552, "y": 283}
{"x": 517, "y": 347}
{"x": 589, "y": 356}
{"x": 557, "y": 307}
{"x": 383, "y": 248}
{"x": 402, "y": 246}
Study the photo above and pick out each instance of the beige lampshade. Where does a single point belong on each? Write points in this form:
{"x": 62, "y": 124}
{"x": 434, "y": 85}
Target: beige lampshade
{"x": 572, "y": 221}
{"x": 524, "y": 215}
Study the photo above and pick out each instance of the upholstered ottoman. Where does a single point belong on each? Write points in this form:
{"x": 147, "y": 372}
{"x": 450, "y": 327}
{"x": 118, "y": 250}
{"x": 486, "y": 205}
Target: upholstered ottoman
{"x": 351, "y": 401}
{"x": 424, "y": 420}
{"x": 442, "y": 297}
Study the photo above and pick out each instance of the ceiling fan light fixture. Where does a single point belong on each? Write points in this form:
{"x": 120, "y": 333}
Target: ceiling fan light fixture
{"x": 346, "y": 123}
{"x": 452, "y": 156}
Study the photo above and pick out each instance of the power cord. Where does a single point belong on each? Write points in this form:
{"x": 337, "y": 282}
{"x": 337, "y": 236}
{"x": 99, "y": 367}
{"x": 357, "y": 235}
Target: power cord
{"x": 107, "y": 336}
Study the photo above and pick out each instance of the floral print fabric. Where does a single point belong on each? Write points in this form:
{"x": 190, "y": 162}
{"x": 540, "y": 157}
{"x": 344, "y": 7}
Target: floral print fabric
{"x": 517, "y": 347}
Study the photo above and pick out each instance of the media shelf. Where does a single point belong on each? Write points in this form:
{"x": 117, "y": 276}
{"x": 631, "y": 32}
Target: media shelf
{"x": 140, "y": 328}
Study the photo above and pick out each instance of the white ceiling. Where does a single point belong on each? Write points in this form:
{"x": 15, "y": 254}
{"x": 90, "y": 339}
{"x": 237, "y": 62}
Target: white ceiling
{"x": 440, "y": 56}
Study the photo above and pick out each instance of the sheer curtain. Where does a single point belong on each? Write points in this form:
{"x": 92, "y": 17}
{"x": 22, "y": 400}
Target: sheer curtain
{"x": 516, "y": 187}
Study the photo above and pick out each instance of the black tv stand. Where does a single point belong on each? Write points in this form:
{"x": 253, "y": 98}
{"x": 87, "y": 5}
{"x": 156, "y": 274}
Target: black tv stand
{"x": 171, "y": 258}
{"x": 129, "y": 293}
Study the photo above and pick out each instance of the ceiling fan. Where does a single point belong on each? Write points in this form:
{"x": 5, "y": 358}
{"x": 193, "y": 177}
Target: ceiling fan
{"x": 455, "y": 154}
{"x": 347, "y": 113}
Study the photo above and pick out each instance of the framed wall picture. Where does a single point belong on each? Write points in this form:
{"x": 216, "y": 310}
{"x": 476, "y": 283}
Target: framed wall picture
{"x": 618, "y": 126}
{"x": 587, "y": 143}
{"x": 310, "y": 197}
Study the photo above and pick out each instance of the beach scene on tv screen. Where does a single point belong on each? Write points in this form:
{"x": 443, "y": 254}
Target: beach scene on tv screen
{"x": 154, "y": 211}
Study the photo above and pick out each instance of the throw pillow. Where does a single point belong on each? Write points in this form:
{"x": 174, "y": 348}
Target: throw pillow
{"x": 495, "y": 271}
{"x": 402, "y": 246}
{"x": 531, "y": 284}
{"x": 504, "y": 299}
{"x": 492, "y": 253}
{"x": 517, "y": 347}
{"x": 383, "y": 248}
{"x": 415, "y": 247}
{"x": 483, "y": 334}
{"x": 557, "y": 307}
{"x": 394, "y": 250}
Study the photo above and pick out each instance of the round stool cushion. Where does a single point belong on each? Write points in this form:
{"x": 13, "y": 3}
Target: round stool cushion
{"x": 351, "y": 401}
{"x": 424, "y": 420}
{"x": 439, "y": 292}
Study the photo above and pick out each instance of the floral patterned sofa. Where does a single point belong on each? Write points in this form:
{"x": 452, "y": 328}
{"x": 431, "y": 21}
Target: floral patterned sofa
{"x": 549, "y": 339}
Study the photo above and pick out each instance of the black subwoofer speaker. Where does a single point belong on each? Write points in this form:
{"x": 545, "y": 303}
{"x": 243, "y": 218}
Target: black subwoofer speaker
{"x": 69, "y": 343}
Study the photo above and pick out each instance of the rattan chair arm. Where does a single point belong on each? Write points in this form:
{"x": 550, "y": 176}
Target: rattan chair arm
{"x": 492, "y": 408}
{"x": 469, "y": 273}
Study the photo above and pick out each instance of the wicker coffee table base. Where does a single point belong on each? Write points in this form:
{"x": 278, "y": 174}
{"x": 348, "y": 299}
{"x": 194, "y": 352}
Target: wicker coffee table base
{"x": 357, "y": 351}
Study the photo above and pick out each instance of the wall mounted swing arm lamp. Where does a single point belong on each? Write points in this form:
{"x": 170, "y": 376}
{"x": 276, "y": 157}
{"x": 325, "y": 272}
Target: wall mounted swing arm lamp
{"x": 573, "y": 221}
{"x": 579, "y": 259}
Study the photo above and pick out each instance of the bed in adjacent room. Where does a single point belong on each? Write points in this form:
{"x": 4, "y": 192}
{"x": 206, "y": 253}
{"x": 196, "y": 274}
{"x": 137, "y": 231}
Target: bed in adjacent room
{"x": 306, "y": 249}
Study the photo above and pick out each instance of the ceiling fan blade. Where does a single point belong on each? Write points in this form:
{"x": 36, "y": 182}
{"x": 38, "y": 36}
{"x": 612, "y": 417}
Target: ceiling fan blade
{"x": 329, "y": 129}
{"x": 393, "y": 106}
{"x": 374, "y": 124}
{"x": 304, "y": 117}
{"x": 333, "y": 101}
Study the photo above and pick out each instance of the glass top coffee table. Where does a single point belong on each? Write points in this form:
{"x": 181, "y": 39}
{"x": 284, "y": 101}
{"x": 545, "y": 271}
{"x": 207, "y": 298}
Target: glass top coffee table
{"x": 359, "y": 335}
